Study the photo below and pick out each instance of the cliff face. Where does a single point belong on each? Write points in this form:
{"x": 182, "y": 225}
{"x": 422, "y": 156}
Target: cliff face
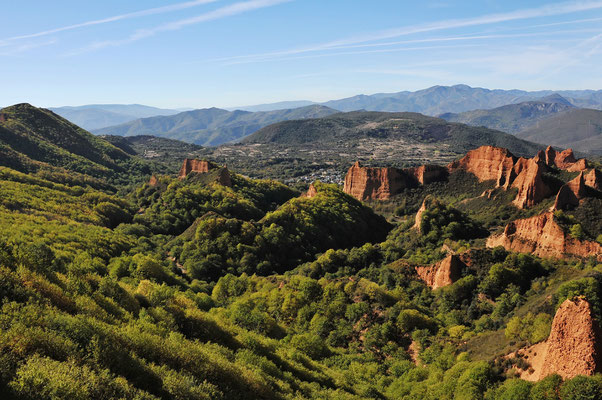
{"x": 571, "y": 193}
{"x": 191, "y": 165}
{"x": 543, "y": 237}
{"x": 219, "y": 174}
{"x": 501, "y": 166}
{"x": 593, "y": 179}
{"x": 311, "y": 192}
{"x": 573, "y": 347}
{"x": 153, "y": 181}
{"x": 531, "y": 187}
{"x": 564, "y": 160}
{"x": 488, "y": 163}
{"x": 443, "y": 273}
{"x": 369, "y": 183}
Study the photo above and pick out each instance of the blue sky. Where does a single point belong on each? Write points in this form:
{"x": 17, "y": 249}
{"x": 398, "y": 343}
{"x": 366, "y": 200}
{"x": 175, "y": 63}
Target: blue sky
{"x": 201, "y": 53}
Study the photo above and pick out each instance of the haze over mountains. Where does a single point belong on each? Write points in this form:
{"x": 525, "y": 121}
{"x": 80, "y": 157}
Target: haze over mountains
{"x": 510, "y": 111}
{"x": 212, "y": 126}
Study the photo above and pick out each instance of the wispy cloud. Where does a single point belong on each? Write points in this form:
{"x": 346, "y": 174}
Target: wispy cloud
{"x": 489, "y": 19}
{"x": 223, "y": 12}
{"x": 136, "y": 14}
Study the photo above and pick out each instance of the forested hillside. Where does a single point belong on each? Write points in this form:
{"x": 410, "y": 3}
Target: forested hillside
{"x": 121, "y": 280}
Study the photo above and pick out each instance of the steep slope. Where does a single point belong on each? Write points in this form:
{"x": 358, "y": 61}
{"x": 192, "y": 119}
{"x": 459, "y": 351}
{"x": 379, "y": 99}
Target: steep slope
{"x": 513, "y": 118}
{"x": 34, "y": 139}
{"x": 580, "y": 129}
{"x": 412, "y": 127}
{"x": 96, "y": 116}
{"x": 212, "y": 126}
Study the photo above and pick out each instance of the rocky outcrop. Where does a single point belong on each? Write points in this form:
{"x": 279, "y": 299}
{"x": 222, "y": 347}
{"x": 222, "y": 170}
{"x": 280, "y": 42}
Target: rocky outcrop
{"x": 208, "y": 171}
{"x": 192, "y": 165}
{"x": 542, "y": 236}
{"x": 499, "y": 165}
{"x": 367, "y": 183}
{"x": 426, "y": 174}
{"x": 2, "y": 117}
{"x": 153, "y": 181}
{"x": 529, "y": 182}
{"x": 573, "y": 347}
{"x": 311, "y": 192}
{"x": 488, "y": 163}
{"x": 443, "y": 273}
{"x": 593, "y": 179}
{"x": 571, "y": 193}
{"x": 564, "y": 160}
{"x": 370, "y": 183}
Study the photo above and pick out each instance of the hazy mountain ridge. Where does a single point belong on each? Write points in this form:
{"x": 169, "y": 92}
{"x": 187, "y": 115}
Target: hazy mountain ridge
{"x": 513, "y": 118}
{"x": 212, "y": 126}
{"x": 578, "y": 128}
{"x": 96, "y": 116}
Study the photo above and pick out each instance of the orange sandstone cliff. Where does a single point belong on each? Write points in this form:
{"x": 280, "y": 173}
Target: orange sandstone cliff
{"x": 192, "y": 165}
{"x": 542, "y": 236}
{"x": 571, "y": 193}
{"x": 371, "y": 183}
{"x": 222, "y": 174}
{"x": 593, "y": 179}
{"x": 500, "y": 165}
{"x": 311, "y": 192}
{"x": 564, "y": 160}
{"x": 443, "y": 273}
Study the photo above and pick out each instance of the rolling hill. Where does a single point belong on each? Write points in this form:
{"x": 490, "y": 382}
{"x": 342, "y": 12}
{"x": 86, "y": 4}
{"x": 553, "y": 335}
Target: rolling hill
{"x": 35, "y": 140}
{"x": 212, "y": 126}
{"x": 410, "y": 127}
{"x": 513, "y": 118}
{"x": 580, "y": 129}
{"x": 96, "y": 116}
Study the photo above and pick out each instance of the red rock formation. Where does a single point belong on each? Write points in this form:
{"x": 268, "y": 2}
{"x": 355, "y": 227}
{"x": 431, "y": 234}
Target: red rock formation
{"x": 571, "y": 193}
{"x": 369, "y": 183}
{"x": 191, "y": 165}
{"x": 366, "y": 183}
{"x": 488, "y": 163}
{"x": 564, "y": 160}
{"x": 2, "y": 117}
{"x": 421, "y": 210}
{"x": 426, "y": 174}
{"x": 498, "y": 164}
{"x": 594, "y": 179}
{"x": 443, "y": 273}
{"x": 573, "y": 347}
{"x": 311, "y": 192}
{"x": 153, "y": 181}
{"x": 530, "y": 184}
{"x": 542, "y": 236}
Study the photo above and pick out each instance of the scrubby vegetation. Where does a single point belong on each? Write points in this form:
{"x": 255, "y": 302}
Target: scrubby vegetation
{"x": 189, "y": 289}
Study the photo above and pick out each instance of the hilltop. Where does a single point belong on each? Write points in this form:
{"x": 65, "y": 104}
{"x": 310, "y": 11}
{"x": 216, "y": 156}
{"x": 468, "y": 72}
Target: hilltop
{"x": 35, "y": 140}
{"x": 513, "y": 118}
{"x": 212, "y": 126}
{"x": 411, "y": 127}
{"x": 580, "y": 129}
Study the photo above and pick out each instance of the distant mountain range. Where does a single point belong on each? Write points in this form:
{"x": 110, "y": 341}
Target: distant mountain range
{"x": 212, "y": 126}
{"x": 511, "y": 111}
{"x": 95, "y": 116}
{"x": 513, "y": 118}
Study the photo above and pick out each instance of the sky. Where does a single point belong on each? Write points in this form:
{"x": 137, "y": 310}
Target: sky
{"x": 227, "y": 53}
